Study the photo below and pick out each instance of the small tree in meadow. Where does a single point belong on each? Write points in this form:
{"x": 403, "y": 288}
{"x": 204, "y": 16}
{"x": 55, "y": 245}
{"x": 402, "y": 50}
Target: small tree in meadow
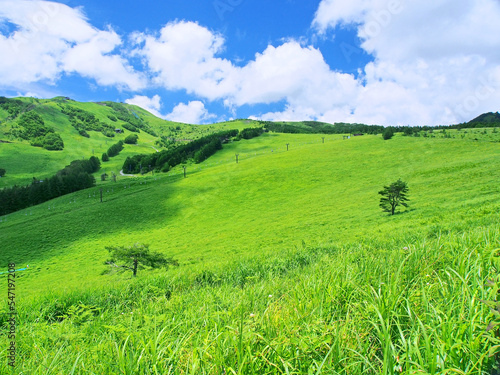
{"x": 393, "y": 196}
{"x": 2, "y": 172}
{"x": 134, "y": 257}
{"x": 105, "y": 157}
{"x": 388, "y": 133}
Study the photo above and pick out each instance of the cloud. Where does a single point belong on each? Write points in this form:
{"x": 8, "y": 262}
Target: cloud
{"x": 51, "y": 39}
{"x": 299, "y": 75}
{"x": 184, "y": 56}
{"x": 152, "y": 105}
{"x": 409, "y": 81}
{"x": 435, "y": 62}
{"x": 192, "y": 113}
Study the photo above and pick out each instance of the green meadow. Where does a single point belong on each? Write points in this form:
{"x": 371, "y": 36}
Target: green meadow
{"x": 287, "y": 264}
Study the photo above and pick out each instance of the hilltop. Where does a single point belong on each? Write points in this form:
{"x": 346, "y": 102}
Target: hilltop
{"x": 486, "y": 119}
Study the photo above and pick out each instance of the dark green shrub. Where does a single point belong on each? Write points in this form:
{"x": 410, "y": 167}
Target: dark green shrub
{"x": 132, "y": 139}
{"x": 53, "y": 142}
{"x": 115, "y": 149}
{"x": 388, "y": 134}
{"x": 83, "y": 133}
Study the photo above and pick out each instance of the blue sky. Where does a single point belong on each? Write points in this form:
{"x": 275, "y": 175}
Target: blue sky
{"x": 390, "y": 62}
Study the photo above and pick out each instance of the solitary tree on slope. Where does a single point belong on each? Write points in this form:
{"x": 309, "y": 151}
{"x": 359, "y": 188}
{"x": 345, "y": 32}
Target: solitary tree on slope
{"x": 134, "y": 257}
{"x": 393, "y": 196}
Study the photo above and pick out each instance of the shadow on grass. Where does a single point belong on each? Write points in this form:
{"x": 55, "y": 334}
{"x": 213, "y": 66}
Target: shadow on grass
{"x": 47, "y": 233}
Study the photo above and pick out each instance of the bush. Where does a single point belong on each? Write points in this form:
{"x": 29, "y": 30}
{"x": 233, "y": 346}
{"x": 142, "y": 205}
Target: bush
{"x": 105, "y": 157}
{"x": 388, "y": 133}
{"x": 132, "y": 139}
{"x": 83, "y": 133}
{"x": 37, "y": 142}
{"x": 130, "y": 128}
{"x": 53, "y": 142}
{"x": 115, "y": 149}
{"x": 2, "y": 172}
{"x": 250, "y": 133}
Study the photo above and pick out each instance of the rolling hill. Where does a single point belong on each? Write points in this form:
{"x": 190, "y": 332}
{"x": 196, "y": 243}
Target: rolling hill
{"x": 287, "y": 264}
{"x": 23, "y": 161}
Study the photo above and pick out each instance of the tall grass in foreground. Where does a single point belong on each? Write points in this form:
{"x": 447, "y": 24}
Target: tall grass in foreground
{"x": 412, "y": 308}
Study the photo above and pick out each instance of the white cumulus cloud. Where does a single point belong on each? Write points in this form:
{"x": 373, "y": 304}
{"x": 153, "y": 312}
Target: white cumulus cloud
{"x": 192, "y": 113}
{"x": 435, "y": 61}
{"x": 51, "y": 39}
{"x": 152, "y": 105}
{"x": 184, "y": 55}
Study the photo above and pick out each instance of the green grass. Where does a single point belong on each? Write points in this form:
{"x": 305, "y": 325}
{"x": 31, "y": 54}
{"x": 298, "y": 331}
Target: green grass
{"x": 288, "y": 266}
{"x": 23, "y": 162}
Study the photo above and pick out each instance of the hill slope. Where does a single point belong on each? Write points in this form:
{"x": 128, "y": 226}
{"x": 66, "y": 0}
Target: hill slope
{"x": 287, "y": 264}
{"x": 97, "y": 122}
{"x": 486, "y": 119}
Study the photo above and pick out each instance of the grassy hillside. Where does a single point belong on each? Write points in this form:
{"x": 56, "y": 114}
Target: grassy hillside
{"x": 287, "y": 264}
{"x": 23, "y": 161}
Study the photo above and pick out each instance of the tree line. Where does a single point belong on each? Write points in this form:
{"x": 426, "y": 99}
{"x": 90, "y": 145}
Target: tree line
{"x": 74, "y": 177}
{"x": 315, "y": 127}
{"x": 487, "y": 120}
{"x": 199, "y": 150}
